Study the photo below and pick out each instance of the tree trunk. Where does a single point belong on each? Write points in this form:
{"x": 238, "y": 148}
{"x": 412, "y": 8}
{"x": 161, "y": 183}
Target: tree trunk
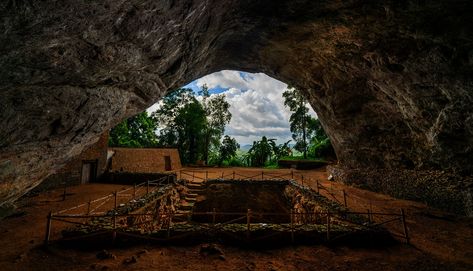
{"x": 303, "y": 131}
{"x": 206, "y": 148}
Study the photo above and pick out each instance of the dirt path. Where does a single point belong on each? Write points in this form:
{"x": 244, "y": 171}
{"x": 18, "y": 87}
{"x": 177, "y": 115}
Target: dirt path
{"x": 438, "y": 241}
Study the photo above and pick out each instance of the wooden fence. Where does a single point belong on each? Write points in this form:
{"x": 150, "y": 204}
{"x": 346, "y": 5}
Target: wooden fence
{"x": 100, "y": 208}
{"x": 327, "y": 219}
{"x": 339, "y": 196}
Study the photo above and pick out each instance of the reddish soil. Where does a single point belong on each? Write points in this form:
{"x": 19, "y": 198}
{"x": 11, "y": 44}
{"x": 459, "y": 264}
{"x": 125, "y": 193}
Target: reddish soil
{"x": 439, "y": 241}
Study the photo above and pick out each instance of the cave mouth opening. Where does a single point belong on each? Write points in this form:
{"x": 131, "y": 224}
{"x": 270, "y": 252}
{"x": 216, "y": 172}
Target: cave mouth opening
{"x": 259, "y": 108}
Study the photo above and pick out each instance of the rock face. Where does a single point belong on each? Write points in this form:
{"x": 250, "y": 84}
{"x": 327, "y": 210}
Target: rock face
{"x": 390, "y": 80}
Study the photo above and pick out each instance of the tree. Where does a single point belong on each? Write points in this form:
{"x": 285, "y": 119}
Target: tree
{"x": 181, "y": 120}
{"x": 193, "y": 127}
{"x": 138, "y": 131}
{"x": 260, "y": 152}
{"x": 218, "y": 115}
{"x": 320, "y": 146}
{"x": 190, "y": 123}
{"x": 228, "y": 148}
{"x": 300, "y": 120}
{"x": 280, "y": 150}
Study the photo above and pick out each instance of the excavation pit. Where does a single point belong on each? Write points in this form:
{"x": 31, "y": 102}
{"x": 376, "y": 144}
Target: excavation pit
{"x": 240, "y": 212}
{"x": 266, "y": 201}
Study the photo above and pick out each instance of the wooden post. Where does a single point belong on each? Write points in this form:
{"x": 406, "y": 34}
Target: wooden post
{"x": 114, "y": 232}
{"x": 371, "y": 212}
{"x": 292, "y": 226}
{"x": 171, "y": 214}
{"x": 134, "y": 191}
{"x": 248, "y": 223}
{"x": 64, "y": 193}
{"x": 262, "y": 175}
{"x": 213, "y": 216}
{"x": 222, "y": 174}
{"x": 369, "y": 215}
{"x": 292, "y": 174}
{"x": 403, "y": 219}
{"x": 88, "y": 207}
{"x": 328, "y": 225}
{"x": 344, "y": 198}
{"x": 115, "y": 200}
{"x": 302, "y": 177}
{"x": 48, "y": 228}
{"x": 317, "y": 186}
{"x": 206, "y": 175}
{"x": 147, "y": 187}
{"x": 233, "y": 178}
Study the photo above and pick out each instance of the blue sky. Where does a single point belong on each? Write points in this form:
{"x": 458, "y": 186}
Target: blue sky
{"x": 256, "y": 104}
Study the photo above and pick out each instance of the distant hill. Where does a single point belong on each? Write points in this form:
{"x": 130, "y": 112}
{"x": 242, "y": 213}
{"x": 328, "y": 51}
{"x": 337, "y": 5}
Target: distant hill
{"x": 247, "y": 147}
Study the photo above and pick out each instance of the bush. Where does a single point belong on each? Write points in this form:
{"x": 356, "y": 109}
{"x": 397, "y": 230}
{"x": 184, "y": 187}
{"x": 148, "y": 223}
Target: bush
{"x": 322, "y": 149}
{"x": 235, "y": 161}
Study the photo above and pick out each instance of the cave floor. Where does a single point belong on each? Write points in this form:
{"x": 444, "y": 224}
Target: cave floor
{"x": 439, "y": 241}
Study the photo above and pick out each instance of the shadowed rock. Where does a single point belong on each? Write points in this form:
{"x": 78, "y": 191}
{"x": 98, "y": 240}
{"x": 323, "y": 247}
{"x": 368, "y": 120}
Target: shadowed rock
{"x": 390, "y": 80}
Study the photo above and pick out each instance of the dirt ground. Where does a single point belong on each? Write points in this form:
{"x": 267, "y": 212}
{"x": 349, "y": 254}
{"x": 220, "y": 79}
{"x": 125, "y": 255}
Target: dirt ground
{"x": 439, "y": 241}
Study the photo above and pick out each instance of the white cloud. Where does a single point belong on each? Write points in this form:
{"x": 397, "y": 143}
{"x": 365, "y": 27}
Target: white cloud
{"x": 256, "y": 104}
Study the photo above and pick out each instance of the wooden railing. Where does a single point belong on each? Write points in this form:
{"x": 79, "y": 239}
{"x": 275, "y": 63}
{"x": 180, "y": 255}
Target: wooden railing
{"x": 100, "y": 208}
{"x": 295, "y": 224}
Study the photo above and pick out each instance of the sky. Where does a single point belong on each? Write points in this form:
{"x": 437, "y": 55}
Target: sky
{"x": 256, "y": 104}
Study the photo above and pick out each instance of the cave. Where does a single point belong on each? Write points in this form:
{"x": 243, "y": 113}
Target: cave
{"x": 390, "y": 80}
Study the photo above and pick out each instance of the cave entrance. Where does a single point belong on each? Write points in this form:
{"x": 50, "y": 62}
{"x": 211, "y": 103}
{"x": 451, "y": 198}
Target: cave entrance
{"x": 261, "y": 111}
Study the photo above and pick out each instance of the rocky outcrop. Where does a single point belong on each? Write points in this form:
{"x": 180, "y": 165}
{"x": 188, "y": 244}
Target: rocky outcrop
{"x": 390, "y": 80}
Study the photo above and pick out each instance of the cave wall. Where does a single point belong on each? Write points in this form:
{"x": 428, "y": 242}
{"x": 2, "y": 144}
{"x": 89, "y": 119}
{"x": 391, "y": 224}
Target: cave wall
{"x": 390, "y": 80}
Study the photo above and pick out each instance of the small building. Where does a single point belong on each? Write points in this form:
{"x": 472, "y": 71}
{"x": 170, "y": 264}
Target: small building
{"x": 144, "y": 160}
{"x": 98, "y": 159}
{"x": 87, "y": 167}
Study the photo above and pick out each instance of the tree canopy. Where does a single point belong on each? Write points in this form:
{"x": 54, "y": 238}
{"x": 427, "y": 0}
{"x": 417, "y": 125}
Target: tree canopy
{"x": 138, "y": 131}
{"x": 228, "y": 148}
{"x": 193, "y": 126}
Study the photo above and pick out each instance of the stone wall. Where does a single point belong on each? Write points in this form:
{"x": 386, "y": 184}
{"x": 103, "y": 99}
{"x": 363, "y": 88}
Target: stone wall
{"x": 438, "y": 189}
{"x": 143, "y": 160}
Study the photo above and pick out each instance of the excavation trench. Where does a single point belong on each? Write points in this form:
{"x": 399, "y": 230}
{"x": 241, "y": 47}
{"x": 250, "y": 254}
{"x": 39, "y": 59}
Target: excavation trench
{"x": 239, "y": 212}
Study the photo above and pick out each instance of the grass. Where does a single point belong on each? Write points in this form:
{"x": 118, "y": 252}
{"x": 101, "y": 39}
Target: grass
{"x": 301, "y": 157}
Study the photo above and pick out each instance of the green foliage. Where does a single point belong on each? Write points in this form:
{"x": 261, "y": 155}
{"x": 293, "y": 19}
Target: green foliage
{"x": 301, "y": 123}
{"x": 190, "y": 123}
{"x": 194, "y": 127}
{"x": 137, "y": 132}
{"x": 305, "y": 128}
{"x": 228, "y": 148}
{"x": 301, "y": 157}
{"x": 234, "y": 162}
{"x": 321, "y": 148}
{"x": 281, "y": 149}
{"x": 266, "y": 152}
{"x": 260, "y": 152}
{"x": 217, "y": 115}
